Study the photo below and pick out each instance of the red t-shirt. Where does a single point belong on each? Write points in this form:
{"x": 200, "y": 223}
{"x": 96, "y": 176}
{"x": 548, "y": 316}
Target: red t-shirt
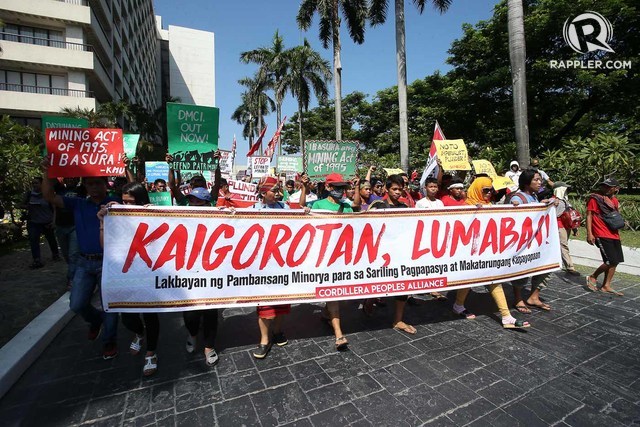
{"x": 598, "y": 227}
{"x": 447, "y": 200}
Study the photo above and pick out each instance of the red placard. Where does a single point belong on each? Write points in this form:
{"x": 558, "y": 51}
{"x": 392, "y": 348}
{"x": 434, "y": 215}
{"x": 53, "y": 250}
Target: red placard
{"x": 84, "y": 152}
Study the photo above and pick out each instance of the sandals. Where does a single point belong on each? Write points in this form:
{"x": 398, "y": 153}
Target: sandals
{"x": 136, "y": 345}
{"x": 404, "y": 327}
{"x": 466, "y": 314}
{"x": 523, "y": 309}
{"x": 611, "y": 291}
{"x": 438, "y": 296}
{"x": 341, "y": 343}
{"x": 513, "y": 323}
{"x": 150, "y": 366}
{"x": 542, "y": 306}
{"x": 592, "y": 284}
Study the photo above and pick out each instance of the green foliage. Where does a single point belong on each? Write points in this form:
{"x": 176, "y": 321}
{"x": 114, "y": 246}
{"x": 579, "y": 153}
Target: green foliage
{"x": 19, "y": 161}
{"x": 583, "y": 162}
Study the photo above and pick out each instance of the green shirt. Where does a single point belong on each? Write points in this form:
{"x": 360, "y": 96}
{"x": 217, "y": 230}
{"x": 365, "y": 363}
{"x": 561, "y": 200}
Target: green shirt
{"x": 325, "y": 204}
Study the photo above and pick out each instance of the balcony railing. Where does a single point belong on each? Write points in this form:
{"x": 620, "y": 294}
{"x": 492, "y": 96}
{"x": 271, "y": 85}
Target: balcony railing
{"x": 46, "y": 90}
{"x": 39, "y": 41}
{"x": 79, "y": 2}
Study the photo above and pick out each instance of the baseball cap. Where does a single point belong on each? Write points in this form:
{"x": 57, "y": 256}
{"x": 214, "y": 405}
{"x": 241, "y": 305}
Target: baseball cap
{"x": 559, "y": 184}
{"x": 200, "y": 193}
{"x": 336, "y": 179}
{"x": 610, "y": 182}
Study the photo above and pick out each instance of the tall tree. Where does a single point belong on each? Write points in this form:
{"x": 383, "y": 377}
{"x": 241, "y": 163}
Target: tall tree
{"x": 355, "y": 13}
{"x": 378, "y": 15}
{"x": 260, "y": 104}
{"x": 273, "y": 63}
{"x": 518, "y": 56}
{"x": 308, "y": 73}
{"x": 243, "y": 116}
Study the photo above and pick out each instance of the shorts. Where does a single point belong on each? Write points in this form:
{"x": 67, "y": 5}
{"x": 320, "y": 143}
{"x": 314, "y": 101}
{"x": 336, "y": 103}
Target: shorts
{"x": 611, "y": 251}
{"x": 271, "y": 311}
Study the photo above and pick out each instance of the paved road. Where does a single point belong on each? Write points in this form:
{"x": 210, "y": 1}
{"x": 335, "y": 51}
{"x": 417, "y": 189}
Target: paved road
{"x": 578, "y": 365}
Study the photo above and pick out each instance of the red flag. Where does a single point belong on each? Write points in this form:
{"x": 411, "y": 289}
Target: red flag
{"x": 431, "y": 168}
{"x": 256, "y": 145}
{"x": 273, "y": 143}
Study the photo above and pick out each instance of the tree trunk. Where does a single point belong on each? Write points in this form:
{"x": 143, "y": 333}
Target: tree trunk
{"x": 517, "y": 55}
{"x": 300, "y": 130}
{"x": 278, "y": 114}
{"x": 337, "y": 70}
{"x": 401, "y": 61}
{"x": 260, "y": 126}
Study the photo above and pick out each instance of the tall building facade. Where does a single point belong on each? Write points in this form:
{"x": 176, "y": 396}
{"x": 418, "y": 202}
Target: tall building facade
{"x": 81, "y": 53}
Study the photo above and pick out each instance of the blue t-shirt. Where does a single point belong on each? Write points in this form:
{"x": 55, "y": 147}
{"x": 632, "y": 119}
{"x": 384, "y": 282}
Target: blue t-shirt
{"x": 87, "y": 223}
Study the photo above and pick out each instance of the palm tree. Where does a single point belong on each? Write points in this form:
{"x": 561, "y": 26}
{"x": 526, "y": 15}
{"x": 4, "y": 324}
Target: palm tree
{"x": 273, "y": 63}
{"x": 243, "y": 116}
{"x": 518, "y": 56}
{"x": 258, "y": 103}
{"x": 355, "y": 12}
{"x": 378, "y": 15}
{"x": 307, "y": 72}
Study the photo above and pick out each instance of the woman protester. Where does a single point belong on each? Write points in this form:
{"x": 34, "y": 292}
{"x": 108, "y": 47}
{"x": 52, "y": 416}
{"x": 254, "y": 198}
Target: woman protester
{"x": 479, "y": 194}
{"x": 136, "y": 194}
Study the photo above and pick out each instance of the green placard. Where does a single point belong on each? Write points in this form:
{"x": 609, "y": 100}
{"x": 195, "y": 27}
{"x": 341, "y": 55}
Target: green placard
{"x": 161, "y": 198}
{"x": 61, "y": 122}
{"x": 192, "y": 133}
{"x": 289, "y": 164}
{"x": 325, "y": 157}
{"x": 130, "y": 141}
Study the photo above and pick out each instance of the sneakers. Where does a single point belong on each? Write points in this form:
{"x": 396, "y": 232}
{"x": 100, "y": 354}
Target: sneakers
{"x": 211, "y": 358}
{"x": 261, "y": 351}
{"x": 109, "y": 351}
{"x": 190, "y": 345}
{"x": 94, "y": 332}
{"x": 280, "y": 339}
{"x": 136, "y": 345}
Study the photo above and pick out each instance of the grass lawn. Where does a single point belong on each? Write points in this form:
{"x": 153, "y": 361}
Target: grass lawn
{"x": 629, "y": 238}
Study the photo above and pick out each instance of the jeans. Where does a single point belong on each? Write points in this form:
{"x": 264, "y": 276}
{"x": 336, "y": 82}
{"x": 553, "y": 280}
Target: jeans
{"x": 68, "y": 242}
{"x": 35, "y": 231}
{"x": 85, "y": 280}
{"x": 133, "y": 322}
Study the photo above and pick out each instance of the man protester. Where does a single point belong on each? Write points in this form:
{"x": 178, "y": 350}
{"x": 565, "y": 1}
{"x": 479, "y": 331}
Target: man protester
{"x": 456, "y": 194}
{"x": 89, "y": 263}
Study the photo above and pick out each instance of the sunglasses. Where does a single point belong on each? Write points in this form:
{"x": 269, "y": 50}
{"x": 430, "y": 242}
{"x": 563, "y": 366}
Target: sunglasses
{"x": 487, "y": 190}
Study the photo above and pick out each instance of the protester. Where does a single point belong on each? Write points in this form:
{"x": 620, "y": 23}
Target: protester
{"x": 160, "y": 185}
{"x": 365, "y": 195}
{"x": 39, "y": 223}
{"x": 394, "y": 187}
{"x": 603, "y": 222}
{"x": 535, "y": 165}
{"x": 134, "y": 193}
{"x": 89, "y": 266}
{"x": 529, "y": 184}
{"x": 456, "y": 194}
{"x": 270, "y": 316}
{"x": 65, "y": 225}
{"x": 406, "y": 197}
{"x": 336, "y": 186}
{"x": 479, "y": 195}
{"x": 560, "y": 193}
{"x": 200, "y": 197}
{"x": 430, "y": 201}
{"x": 513, "y": 174}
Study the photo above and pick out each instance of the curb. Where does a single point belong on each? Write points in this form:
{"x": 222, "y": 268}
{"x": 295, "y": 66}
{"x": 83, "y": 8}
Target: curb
{"x": 23, "y": 349}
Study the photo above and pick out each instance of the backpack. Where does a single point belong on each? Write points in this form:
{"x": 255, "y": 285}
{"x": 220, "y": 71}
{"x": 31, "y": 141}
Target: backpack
{"x": 571, "y": 218}
{"x": 608, "y": 213}
{"x": 508, "y": 197}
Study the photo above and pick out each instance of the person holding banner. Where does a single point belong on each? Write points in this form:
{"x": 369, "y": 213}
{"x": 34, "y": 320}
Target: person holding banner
{"x": 136, "y": 194}
{"x": 480, "y": 194}
{"x": 456, "y": 194}
{"x": 529, "y": 184}
{"x": 89, "y": 264}
{"x": 336, "y": 186}
{"x": 395, "y": 190}
{"x": 270, "y": 316}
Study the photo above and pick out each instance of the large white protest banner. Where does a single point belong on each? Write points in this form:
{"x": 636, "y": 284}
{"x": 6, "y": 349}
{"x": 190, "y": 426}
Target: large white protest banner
{"x": 174, "y": 259}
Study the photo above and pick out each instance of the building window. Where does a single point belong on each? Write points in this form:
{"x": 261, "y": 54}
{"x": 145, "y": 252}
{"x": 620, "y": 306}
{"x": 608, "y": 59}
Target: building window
{"x": 32, "y": 35}
{"x": 47, "y": 84}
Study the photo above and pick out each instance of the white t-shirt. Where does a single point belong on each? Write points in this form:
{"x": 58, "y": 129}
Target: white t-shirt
{"x": 425, "y": 203}
{"x": 295, "y": 197}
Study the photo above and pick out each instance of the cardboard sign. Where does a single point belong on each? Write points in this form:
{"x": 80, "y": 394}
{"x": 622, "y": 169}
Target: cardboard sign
{"x": 179, "y": 258}
{"x": 49, "y": 122}
{"x": 130, "y": 141}
{"x": 160, "y": 198}
{"x": 453, "y": 154}
{"x": 500, "y": 182}
{"x": 325, "y": 157}
{"x": 390, "y": 171}
{"x": 246, "y": 190}
{"x": 484, "y": 166}
{"x": 156, "y": 170}
{"x": 289, "y": 164}
{"x": 192, "y": 133}
{"x": 226, "y": 163}
{"x": 260, "y": 166}
{"x": 84, "y": 152}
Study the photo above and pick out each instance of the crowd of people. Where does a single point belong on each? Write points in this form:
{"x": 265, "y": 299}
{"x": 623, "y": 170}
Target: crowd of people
{"x": 74, "y": 212}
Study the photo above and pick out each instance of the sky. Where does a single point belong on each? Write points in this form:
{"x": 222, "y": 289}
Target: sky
{"x": 244, "y": 25}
